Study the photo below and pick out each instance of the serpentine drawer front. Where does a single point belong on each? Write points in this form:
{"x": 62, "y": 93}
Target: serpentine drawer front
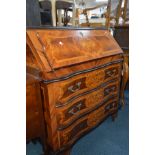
{"x": 80, "y": 74}
{"x": 82, "y": 105}
{"x": 76, "y": 85}
{"x": 84, "y": 124}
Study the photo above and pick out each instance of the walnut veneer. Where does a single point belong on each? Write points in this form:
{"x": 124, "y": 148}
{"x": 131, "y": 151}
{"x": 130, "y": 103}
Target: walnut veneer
{"x": 80, "y": 73}
{"x": 35, "y": 126}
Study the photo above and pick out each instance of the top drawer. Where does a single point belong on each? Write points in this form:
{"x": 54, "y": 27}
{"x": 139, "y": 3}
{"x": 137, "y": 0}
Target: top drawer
{"x": 64, "y": 90}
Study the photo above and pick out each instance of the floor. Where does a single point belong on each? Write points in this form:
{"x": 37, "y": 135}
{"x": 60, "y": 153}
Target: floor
{"x": 110, "y": 138}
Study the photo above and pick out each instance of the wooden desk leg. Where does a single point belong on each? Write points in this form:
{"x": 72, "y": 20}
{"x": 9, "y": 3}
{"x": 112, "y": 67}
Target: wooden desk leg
{"x": 65, "y": 152}
{"x": 47, "y": 150}
{"x": 125, "y": 79}
{"x": 114, "y": 116}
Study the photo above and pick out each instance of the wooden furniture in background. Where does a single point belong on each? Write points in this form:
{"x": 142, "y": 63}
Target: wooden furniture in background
{"x": 125, "y": 75}
{"x": 80, "y": 72}
{"x": 65, "y": 6}
{"x": 113, "y": 13}
{"x": 125, "y": 15}
{"x": 35, "y": 127}
{"x": 121, "y": 34}
{"x": 89, "y": 9}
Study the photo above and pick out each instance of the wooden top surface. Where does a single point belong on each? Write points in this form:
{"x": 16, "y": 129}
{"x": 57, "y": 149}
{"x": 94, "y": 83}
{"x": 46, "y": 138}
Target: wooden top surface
{"x": 56, "y": 48}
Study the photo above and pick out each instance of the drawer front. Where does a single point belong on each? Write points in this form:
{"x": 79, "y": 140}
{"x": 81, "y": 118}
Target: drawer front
{"x": 72, "y": 111}
{"x": 80, "y": 127}
{"x": 73, "y": 87}
{"x": 88, "y": 81}
{"x": 65, "y": 90}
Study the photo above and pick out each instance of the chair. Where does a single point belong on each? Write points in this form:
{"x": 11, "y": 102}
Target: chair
{"x": 84, "y": 7}
{"x": 89, "y": 9}
{"x": 125, "y": 15}
{"x": 121, "y": 35}
{"x": 114, "y": 13}
{"x": 66, "y": 6}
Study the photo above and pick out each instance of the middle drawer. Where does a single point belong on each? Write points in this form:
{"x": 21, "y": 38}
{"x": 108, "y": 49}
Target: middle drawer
{"x": 75, "y": 109}
{"x": 62, "y": 91}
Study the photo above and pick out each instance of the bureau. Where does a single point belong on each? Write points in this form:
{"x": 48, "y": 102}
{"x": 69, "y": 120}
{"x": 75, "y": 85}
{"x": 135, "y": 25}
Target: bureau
{"x": 80, "y": 74}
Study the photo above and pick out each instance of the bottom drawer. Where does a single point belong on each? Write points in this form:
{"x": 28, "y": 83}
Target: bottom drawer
{"x": 83, "y": 125}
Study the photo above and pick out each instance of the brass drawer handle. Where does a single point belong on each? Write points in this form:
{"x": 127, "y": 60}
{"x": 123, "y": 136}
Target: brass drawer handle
{"x": 75, "y": 109}
{"x": 75, "y": 88}
{"x": 109, "y": 90}
{"x": 110, "y": 106}
{"x": 111, "y": 72}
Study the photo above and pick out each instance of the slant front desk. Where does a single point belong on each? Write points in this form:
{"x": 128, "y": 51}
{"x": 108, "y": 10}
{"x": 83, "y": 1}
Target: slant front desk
{"x": 80, "y": 74}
